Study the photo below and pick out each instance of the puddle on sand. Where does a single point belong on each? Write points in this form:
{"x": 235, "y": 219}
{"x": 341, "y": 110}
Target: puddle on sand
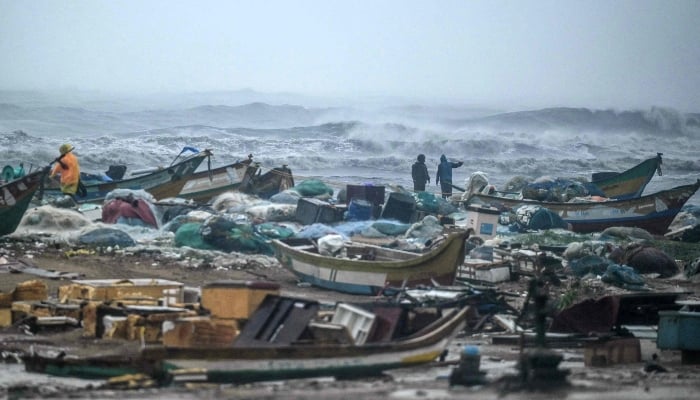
{"x": 15, "y": 375}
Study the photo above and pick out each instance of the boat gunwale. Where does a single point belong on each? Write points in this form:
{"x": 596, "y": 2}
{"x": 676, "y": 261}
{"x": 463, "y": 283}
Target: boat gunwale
{"x": 612, "y": 203}
{"x": 98, "y": 191}
{"x": 418, "y": 262}
{"x": 644, "y": 170}
{"x": 12, "y": 214}
{"x": 442, "y": 328}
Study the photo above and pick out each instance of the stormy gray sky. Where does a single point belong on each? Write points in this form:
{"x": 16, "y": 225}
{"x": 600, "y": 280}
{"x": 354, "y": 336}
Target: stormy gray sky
{"x": 593, "y": 53}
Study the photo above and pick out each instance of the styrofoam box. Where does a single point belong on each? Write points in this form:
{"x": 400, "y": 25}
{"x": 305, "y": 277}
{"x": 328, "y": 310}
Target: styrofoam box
{"x": 359, "y": 322}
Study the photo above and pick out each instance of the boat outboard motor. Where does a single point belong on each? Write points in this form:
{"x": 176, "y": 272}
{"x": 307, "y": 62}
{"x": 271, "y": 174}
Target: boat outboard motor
{"x": 116, "y": 172}
{"x": 10, "y": 173}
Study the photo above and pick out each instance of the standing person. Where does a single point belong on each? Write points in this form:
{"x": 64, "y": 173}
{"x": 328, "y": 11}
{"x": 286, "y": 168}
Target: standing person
{"x": 419, "y": 173}
{"x": 67, "y": 165}
{"x": 444, "y": 175}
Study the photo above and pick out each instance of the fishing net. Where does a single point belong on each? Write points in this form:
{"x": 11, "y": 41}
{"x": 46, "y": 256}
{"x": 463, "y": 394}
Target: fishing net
{"x": 426, "y": 201}
{"x": 559, "y": 190}
{"x": 429, "y": 227}
{"x": 288, "y": 196}
{"x": 391, "y": 228}
{"x": 192, "y": 217}
{"x": 623, "y": 276}
{"x": 188, "y": 234}
{"x": 273, "y": 212}
{"x": 313, "y": 188}
{"x": 52, "y": 220}
{"x": 315, "y": 231}
{"x": 516, "y": 184}
{"x": 273, "y": 231}
{"x": 224, "y": 233}
{"x": 590, "y": 264}
{"x": 352, "y": 228}
{"x": 531, "y": 217}
{"x": 234, "y": 202}
{"x": 104, "y": 237}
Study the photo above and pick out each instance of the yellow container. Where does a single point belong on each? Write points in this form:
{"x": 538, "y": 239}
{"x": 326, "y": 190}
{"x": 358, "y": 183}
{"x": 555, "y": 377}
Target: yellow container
{"x": 5, "y": 317}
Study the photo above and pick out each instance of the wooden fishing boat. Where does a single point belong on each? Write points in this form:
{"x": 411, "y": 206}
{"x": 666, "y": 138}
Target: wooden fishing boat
{"x": 400, "y": 341}
{"x": 369, "y": 268}
{"x": 15, "y": 197}
{"x": 630, "y": 183}
{"x": 244, "y": 176}
{"x": 240, "y": 364}
{"x": 57, "y": 363}
{"x": 653, "y": 212}
{"x": 160, "y": 183}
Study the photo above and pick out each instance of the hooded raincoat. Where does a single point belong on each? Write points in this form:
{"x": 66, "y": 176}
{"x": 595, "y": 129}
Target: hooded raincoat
{"x": 444, "y": 175}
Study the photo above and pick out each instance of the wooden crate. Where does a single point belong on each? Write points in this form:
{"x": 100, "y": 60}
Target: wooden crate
{"x": 200, "y": 331}
{"x": 236, "y": 299}
{"x": 6, "y": 299}
{"x": 611, "y": 352}
{"x": 31, "y": 290}
{"x": 526, "y": 261}
{"x": 120, "y": 289}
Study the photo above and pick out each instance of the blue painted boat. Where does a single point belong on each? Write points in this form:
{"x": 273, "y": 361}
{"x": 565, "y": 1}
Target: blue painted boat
{"x": 15, "y": 197}
{"x": 161, "y": 182}
{"x": 653, "y": 212}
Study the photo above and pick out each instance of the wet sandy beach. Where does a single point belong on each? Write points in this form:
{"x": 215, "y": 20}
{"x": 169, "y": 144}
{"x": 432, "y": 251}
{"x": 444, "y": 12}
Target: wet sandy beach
{"x": 426, "y": 382}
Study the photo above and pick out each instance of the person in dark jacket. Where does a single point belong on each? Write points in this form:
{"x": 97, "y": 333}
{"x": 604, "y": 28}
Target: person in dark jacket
{"x": 444, "y": 176}
{"x": 419, "y": 173}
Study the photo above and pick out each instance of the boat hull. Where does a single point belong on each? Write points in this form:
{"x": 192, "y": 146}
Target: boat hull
{"x": 250, "y": 364}
{"x": 260, "y": 362}
{"x": 204, "y": 185}
{"x": 653, "y": 212}
{"x": 241, "y": 176}
{"x": 15, "y": 197}
{"x": 162, "y": 183}
{"x": 370, "y": 277}
{"x": 632, "y": 182}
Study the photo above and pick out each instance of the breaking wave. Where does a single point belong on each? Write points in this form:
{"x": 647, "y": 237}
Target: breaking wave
{"x": 362, "y": 146}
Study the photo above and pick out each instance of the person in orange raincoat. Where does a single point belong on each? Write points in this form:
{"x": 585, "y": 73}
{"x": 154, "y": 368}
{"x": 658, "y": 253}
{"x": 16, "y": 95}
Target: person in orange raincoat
{"x": 67, "y": 165}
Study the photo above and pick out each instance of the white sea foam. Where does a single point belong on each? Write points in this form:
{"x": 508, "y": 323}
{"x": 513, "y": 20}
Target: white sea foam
{"x": 356, "y": 144}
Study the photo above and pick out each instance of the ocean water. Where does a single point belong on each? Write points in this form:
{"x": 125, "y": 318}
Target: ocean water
{"x": 344, "y": 142}
{"x": 341, "y": 142}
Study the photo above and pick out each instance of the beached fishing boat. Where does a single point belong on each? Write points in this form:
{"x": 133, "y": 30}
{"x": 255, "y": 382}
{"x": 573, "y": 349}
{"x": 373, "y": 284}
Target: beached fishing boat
{"x": 57, "y": 363}
{"x": 613, "y": 185}
{"x": 244, "y": 176}
{"x": 653, "y": 212}
{"x": 368, "y": 269}
{"x": 274, "y": 181}
{"x": 630, "y": 183}
{"x": 160, "y": 183}
{"x": 15, "y": 197}
{"x": 287, "y": 339}
{"x": 250, "y": 363}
